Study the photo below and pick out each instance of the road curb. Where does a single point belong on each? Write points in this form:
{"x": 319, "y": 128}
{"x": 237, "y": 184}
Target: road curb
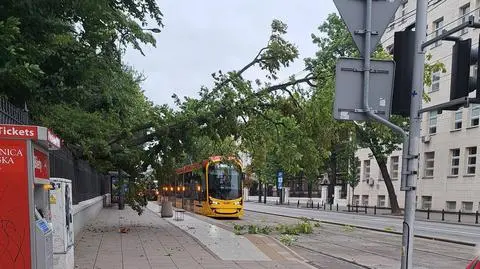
{"x": 372, "y": 229}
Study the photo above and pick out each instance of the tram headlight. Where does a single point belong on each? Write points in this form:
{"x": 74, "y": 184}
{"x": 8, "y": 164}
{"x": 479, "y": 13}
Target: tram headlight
{"x": 238, "y": 202}
{"x": 213, "y": 202}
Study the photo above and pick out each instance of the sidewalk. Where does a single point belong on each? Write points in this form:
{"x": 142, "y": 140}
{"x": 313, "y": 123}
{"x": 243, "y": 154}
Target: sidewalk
{"x": 151, "y": 242}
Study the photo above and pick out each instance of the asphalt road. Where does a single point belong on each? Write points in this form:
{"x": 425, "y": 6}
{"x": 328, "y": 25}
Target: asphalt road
{"x": 453, "y": 232}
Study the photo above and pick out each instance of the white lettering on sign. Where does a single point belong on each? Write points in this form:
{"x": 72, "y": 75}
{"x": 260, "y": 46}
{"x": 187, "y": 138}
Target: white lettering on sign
{"x": 7, "y": 155}
{"x": 13, "y": 131}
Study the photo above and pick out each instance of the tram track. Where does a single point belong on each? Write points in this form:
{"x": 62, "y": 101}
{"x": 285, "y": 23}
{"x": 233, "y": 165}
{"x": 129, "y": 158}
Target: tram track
{"x": 388, "y": 246}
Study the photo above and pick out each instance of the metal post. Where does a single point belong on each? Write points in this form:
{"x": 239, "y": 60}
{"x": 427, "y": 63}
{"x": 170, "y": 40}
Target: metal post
{"x": 374, "y": 210}
{"x": 337, "y": 207}
{"x": 443, "y": 214}
{"x": 476, "y": 217}
{"x": 318, "y": 205}
{"x": 428, "y": 213}
{"x": 365, "y": 209}
{"x": 459, "y": 215}
{"x": 357, "y": 208}
{"x": 414, "y": 135}
{"x": 331, "y": 207}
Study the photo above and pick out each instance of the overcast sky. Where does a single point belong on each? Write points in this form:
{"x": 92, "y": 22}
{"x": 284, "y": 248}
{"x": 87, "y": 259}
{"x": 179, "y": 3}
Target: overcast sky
{"x": 201, "y": 37}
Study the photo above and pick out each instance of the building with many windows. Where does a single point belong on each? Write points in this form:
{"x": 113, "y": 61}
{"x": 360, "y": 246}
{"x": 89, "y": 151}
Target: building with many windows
{"x": 449, "y": 172}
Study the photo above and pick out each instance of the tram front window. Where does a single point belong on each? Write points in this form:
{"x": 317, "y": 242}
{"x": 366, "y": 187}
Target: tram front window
{"x": 224, "y": 181}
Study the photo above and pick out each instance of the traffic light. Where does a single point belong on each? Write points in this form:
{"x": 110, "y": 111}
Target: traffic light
{"x": 463, "y": 57}
{"x": 403, "y": 54}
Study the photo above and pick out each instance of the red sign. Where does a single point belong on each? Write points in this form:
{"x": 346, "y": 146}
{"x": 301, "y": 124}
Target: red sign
{"x": 14, "y": 205}
{"x": 18, "y": 131}
{"x": 41, "y": 165}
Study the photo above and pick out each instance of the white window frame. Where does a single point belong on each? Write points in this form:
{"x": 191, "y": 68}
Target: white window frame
{"x": 474, "y": 115}
{"x": 366, "y": 170}
{"x": 454, "y": 156}
{"x": 448, "y": 203}
{"x": 426, "y": 203}
{"x": 471, "y": 157}
{"x": 380, "y": 202}
{"x": 428, "y": 170}
{"x": 394, "y": 167}
{"x": 466, "y": 208}
{"x": 438, "y": 28}
{"x": 464, "y": 13}
{"x": 458, "y": 119}
{"x": 435, "y": 82}
{"x": 403, "y": 12}
{"x": 432, "y": 122}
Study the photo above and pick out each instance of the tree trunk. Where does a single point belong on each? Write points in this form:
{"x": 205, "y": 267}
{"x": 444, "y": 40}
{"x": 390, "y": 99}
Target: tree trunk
{"x": 259, "y": 192}
{"x": 309, "y": 189}
{"x": 391, "y": 190}
{"x": 265, "y": 194}
{"x": 353, "y": 194}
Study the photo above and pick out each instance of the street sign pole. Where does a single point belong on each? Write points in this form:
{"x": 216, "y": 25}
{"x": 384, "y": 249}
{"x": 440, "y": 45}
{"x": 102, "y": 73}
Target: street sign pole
{"x": 414, "y": 144}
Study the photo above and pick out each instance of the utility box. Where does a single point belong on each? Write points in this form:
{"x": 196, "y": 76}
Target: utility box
{"x": 62, "y": 218}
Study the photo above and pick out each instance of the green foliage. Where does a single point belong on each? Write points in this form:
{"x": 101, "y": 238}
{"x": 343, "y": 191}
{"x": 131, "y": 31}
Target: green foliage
{"x": 348, "y": 228}
{"x": 287, "y": 239}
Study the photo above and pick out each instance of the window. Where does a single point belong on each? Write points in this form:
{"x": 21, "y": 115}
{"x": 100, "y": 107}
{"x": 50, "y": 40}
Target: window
{"x": 381, "y": 201}
{"x": 356, "y": 199}
{"x": 432, "y": 122}
{"x": 474, "y": 115}
{"x": 455, "y": 155}
{"x": 391, "y": 26}
{"x": 451, "y": 205}
{"x": 426, "y": 202}
{"x": 457, "y": 124}
{"x": 366, "y": 170}
{"x": 464, "y": 13}
{"x": 438, "y": 28}
{"x": 365, "y": 200}
{"x": 394, "y": 167}
{"x": 467, "y": 206}
{"x": 429, "y": 164}
{"x": 471, "y": 160}
{"x": 435, "y": 82}
{"x": 404, "y": 12}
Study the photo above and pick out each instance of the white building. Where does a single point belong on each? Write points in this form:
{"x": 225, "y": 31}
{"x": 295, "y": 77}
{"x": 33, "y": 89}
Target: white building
{"x": 449, "y": 172}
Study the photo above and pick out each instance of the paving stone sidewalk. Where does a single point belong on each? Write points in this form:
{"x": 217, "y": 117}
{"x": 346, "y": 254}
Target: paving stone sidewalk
{"x": 148, "y": 241}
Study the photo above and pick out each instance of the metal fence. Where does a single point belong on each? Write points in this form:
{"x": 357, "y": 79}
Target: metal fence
{"x": 87, "y": 183}
{"x": 9, "y": 114}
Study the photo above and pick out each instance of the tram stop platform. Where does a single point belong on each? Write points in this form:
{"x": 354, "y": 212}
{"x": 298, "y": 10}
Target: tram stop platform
{"x": 123, "y": 239}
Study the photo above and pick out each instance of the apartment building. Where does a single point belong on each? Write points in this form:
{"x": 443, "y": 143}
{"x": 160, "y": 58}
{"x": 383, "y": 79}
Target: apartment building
{"x": 449, "y": 171}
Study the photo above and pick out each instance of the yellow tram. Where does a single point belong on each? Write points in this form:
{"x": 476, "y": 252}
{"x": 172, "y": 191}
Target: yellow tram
{"x": 212, "y": 188}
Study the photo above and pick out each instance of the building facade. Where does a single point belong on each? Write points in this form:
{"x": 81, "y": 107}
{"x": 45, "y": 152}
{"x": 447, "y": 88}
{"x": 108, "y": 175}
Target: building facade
{"x": 449, "y": 170}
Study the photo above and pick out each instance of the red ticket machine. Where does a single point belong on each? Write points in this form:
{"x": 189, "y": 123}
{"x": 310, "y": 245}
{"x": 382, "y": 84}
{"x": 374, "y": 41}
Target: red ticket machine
{"x": 24, "y": 206}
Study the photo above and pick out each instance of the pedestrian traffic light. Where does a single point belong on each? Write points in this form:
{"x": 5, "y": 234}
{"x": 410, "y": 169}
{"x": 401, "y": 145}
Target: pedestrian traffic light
{"x": 403, "y": 54}
{"x": 463, "y": 57}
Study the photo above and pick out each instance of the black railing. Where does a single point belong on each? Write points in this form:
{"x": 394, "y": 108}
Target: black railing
{"x": 10, "y": 114}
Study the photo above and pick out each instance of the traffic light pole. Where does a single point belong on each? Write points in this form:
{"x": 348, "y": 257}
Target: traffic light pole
{"x": 414, "y": 135}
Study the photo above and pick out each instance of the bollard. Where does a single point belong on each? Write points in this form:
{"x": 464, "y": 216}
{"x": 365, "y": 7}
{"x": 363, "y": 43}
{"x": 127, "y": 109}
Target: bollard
{"x": 348, "y": 208}
{"x": 357, "y": 208}
{"x": 331, "y": 207}
{"x": 318, "y": 205}
{"x": 459, "y": 215}
{"x": 476, "y": 217}
{"x": 288, "y": 202}
{"x": 365, "y": 209}
{"x": 337, "y": 207}
{"x": 298, "y": 203}
{"x": 428, "y": 213}
{"x": 443, "y": 214}
{"x": 324, "y": 206}
{"x": 374, "y": 210}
